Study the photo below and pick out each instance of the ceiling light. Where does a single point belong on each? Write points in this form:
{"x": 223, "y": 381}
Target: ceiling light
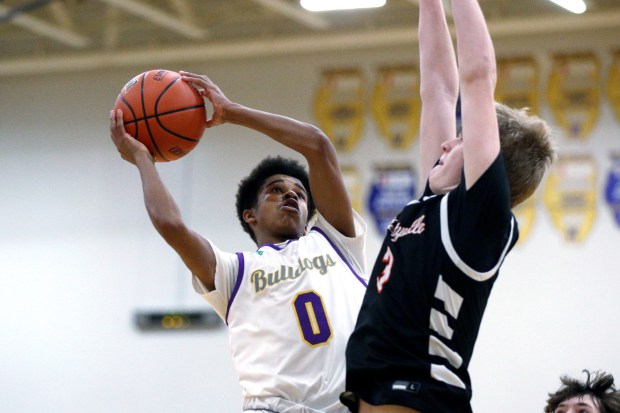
{"x": 326, "y": 5}
{"x": 575, "y": 6}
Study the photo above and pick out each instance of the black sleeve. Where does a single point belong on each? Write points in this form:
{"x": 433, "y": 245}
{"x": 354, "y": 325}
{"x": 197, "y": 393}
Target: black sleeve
{"x": 480, "y": 218}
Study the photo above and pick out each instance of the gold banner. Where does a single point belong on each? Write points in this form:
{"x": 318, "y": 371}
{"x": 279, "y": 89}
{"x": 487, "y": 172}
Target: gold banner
{"x": 613, "y": 84}
{"x": 338, "y": 107}
{"x": 353, "y": 183}
{"x": 570, "y": 196}
{"x": 396, "y": 104}
{"x": 518, "y": 83}
{"x": 574, "y": 92}
{"x": 525, "y": 213}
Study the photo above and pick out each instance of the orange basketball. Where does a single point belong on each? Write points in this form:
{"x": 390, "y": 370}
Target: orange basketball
{"x": 163, "y": 112}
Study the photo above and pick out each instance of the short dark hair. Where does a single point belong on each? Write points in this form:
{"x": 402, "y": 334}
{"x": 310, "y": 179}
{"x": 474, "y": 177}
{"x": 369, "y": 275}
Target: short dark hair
{"x": 247, "y": 193}
{"x": 599, "y": 385}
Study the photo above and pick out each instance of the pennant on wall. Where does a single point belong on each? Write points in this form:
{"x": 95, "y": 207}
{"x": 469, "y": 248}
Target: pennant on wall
{"x": 525, "y": 213}
{"x": 396, "y": 104}
{"x": 613, "y": 84}
{"x": 338, "y": 107}
{"x": 570, "y": 196}
{"x": 391, "y": 189}
{"x": 612, "y": 188}
{"x": 574, "y": 92}
{"x": 518, "y": 83}
{"x": 353, "y": 184}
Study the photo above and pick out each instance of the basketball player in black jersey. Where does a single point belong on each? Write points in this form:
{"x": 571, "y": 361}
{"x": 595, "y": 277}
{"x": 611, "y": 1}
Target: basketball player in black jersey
{"x": 418, "y": 324}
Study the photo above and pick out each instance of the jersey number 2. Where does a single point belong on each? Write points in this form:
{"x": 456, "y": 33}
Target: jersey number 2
{"x": 312, "y": 318}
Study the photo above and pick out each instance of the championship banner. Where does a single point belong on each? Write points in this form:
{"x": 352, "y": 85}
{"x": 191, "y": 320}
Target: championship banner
{"x": 613, "y": 84}
{"x": 392, "y": 188}
{"x": 570, "y": 196}
{"x": 396, "y": 104}
{"x": 518, "y": 83}
{"x": 574, "y": 92}
{"x": 612, "y": 188}
{"x": 353, "y": 184}
{"x": 338, "y": 107}
{"x": 525, "y": 213}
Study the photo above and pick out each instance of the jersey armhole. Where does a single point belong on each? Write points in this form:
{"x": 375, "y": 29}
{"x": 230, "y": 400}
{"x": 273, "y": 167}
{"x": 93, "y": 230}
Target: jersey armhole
{"x": 454, "y": 256}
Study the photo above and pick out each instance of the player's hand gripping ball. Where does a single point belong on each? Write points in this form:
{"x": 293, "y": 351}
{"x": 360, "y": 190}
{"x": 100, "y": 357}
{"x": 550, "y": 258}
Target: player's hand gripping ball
{"x": 163, "y": 112}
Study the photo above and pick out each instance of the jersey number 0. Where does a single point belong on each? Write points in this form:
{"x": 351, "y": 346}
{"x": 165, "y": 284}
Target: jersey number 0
{"x": 312, "y": 318}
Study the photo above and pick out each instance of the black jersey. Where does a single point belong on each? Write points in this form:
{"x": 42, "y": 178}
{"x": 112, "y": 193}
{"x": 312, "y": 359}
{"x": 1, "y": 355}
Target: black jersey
{"x": 428, "y": 290}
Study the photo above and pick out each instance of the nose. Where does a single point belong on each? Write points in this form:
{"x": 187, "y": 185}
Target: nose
{"x": 448, "y": 145}
{"x": 290, "y": 194}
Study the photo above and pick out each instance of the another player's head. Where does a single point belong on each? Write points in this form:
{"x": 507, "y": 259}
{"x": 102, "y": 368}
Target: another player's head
{"x": 275, "y": 195}
{"x": 597, "y": 394}
{"x": 527, "y": 147}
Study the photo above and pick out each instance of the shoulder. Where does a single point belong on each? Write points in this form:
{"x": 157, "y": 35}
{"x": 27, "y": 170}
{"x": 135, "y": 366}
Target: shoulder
{"x": 321, "y": 225}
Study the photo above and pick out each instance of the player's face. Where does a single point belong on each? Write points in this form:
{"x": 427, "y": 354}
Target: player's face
{"x": 578, "y": 404}
{"x": 446, "y": 175}
{"x": 282, "y": 209}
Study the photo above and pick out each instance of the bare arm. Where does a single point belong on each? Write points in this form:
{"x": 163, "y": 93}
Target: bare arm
{"x": 438, "y": 83}
{"x": 477, "y": 72}
{"x": 327, "y": 184}
{"x": 194, "y": 250}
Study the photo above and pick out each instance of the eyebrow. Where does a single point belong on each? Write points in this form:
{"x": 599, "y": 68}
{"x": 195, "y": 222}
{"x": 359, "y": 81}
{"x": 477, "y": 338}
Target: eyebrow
{"x": 279, "y": 180}
{"x": 577, "y": 404}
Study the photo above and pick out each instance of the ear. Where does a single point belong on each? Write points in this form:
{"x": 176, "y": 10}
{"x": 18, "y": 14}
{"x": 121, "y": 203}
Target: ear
{"x": 249, "y": 216}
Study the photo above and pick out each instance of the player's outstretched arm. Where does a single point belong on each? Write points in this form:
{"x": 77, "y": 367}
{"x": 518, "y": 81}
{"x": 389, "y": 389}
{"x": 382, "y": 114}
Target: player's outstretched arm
{"x": 478, "y": 76}
{"x": 438, "y": 83}
{"x": 326, "y": 182}
{"x": 195, "y": 251}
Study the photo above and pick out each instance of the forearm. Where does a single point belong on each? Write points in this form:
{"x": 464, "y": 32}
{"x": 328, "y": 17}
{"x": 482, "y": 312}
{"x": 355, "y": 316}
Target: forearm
{"x": 438, "y": 68}
{"x": 299, "y": 136}
{"x": 160, "y": 205}
{"x": 475, "y": 48}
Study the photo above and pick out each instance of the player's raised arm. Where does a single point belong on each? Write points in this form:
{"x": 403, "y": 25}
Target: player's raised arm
{"x": 194, "y": 250}
{"x": 477, "y": 73}
{"x": 438, "y": 83}
{"x": 326, "y": 182}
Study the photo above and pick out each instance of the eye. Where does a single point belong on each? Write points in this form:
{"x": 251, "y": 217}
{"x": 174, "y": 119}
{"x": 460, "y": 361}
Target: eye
{"x": 276, "y": 189}
{"x": 302, "y": 195}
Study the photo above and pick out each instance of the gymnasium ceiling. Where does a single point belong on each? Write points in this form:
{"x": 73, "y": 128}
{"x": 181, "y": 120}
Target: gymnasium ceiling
{"x": 52, "y": 36}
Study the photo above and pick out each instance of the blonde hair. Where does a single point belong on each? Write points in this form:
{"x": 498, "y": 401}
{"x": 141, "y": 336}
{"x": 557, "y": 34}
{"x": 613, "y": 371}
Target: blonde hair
{"x": 527, "y": 147}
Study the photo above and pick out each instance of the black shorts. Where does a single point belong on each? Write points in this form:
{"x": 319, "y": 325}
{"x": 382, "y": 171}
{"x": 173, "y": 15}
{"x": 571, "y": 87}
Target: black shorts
{"x": 424, "y": 396}
{"x": 378, "y": 393}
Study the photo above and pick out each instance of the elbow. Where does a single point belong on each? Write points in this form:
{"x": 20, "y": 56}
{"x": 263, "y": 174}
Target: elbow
{"x": 485, "y": 70}
{"x": 168, "y": 226}
{"x": 319, "y": 144}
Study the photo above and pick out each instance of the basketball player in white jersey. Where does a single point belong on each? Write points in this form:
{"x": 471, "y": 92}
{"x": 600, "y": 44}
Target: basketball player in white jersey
{"x": 291, "y": 305}
{"x": 416, "y": 330}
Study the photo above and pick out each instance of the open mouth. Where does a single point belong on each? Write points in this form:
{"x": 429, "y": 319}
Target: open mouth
{"x": 290, "y": 205}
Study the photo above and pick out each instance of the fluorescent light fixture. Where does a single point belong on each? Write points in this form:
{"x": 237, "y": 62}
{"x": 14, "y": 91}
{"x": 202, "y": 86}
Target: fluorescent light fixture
{"x": 326, "y": 5}
{"x": 575, "y": 6}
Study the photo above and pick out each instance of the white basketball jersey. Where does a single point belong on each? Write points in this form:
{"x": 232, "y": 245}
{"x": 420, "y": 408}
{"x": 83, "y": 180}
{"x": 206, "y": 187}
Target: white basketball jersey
{"x": 290, "y": 309}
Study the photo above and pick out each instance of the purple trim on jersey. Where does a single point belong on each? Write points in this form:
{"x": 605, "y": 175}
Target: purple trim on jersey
{"x": 320, "y": 231}
{"x": 237, "y": 284}
{"x": 275, "y": 247}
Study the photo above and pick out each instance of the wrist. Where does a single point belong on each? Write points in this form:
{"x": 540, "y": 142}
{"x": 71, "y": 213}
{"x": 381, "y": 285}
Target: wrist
{"x": 144, "y": 157}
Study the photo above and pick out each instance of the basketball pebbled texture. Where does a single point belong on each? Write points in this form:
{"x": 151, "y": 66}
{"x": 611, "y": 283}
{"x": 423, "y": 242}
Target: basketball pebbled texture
{"x": 163, "y": 112}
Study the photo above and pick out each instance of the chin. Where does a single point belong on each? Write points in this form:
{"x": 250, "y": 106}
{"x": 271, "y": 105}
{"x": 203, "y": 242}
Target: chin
{"x": 442, "y": 189}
